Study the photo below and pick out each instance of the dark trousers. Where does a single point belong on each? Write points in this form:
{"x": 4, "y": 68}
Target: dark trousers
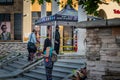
{"x": 57, "y": 46}
{"x": 30, "y": 55}
{"x": 49, "y": 72}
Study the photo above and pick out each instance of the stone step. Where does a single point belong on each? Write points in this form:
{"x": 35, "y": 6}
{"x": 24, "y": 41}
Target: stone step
{"x": 20, "y": 62}
{"x": 71, "y": 56}
{"x": 111, "y": 77}
{"x": 35, "y": 76}
{"x": 67, "y": 65}
{"x": 60, "y": 69}
{"x": 14, "y": 65}
{"x": 54, "y": 73}
{"x": 23, "y": 59}
{"x": 8, "y": 68}
{"x": 73, "y": 61}
{"x": 23, "y": 64}
{"x": 20, "y": 78}
{"x": 38, "y": 76}
{"x": 2, "y": 71}
{"x": 9, "y": 57}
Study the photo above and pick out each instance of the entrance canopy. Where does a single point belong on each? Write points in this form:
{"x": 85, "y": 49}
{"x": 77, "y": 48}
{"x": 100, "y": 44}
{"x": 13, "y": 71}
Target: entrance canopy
{"x": 67, "y": 16}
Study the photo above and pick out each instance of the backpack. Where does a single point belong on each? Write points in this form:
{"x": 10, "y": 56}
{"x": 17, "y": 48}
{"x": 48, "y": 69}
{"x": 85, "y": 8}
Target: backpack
{"x": 54, "y": 56}
{"x": 31, "y": 47}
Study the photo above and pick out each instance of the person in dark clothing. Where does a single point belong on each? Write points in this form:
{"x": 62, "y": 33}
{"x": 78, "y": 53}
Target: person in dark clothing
{"x": 57, "y": 40}
{"x": 47, "y": 42}
{"x": 47, "y": 56}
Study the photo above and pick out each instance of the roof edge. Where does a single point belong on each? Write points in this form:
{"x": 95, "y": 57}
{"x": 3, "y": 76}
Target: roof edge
{"x": 115, "y": 22}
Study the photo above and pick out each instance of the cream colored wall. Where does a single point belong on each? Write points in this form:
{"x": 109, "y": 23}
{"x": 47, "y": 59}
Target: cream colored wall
{"x": 109, "y": 9}
{"x": 61, "y": 37}
{"x": 65, "y": 1}
{"x": 36, "y": 7}
{"x": 26, "y": 19}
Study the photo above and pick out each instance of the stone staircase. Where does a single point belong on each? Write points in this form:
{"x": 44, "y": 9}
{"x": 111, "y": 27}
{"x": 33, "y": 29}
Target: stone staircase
{"x": 18, "y": 68}
{"x": 9, "y": 63}
{"x": 13, "y": 66}
{"x": 61, "y": 70}
{"x": 18, "y": 63}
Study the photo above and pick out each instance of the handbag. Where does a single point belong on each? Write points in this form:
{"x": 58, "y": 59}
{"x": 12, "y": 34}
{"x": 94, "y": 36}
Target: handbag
{"x": 48, "y": 60}
{"x": 54, "y": 56}
{"x": 31, "y": 46}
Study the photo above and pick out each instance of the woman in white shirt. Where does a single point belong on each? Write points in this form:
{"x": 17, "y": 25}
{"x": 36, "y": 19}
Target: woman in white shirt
{"x": 32, "y": 40}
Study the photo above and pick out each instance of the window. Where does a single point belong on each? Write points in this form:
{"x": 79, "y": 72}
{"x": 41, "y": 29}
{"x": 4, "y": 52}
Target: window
{"x": 8, "y": 32}
{"x": 35, "y": 16}
{"x": 49, "y": 13}
{"x": 17, "y": 26}
{"x": 4, "y": 17}
{"x": 6, "y": 2}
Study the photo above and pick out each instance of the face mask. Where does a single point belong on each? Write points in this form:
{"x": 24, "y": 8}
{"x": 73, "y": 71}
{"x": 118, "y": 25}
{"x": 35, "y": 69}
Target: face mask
{"x": 57, "y": 29}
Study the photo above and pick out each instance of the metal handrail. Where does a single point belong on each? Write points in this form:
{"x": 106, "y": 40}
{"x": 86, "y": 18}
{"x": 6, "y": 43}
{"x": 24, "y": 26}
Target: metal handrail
{"x": 20, "y": 71}
{"x": 10, "y": 58}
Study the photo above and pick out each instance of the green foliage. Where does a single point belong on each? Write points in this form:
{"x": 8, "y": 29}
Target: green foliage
{"x": 40, "y": 1}
{"x": 32, "y": 1}
{"x": 90, "y": 6}
{"x": 69, "y": 2}
{"x": 48, "y": 1}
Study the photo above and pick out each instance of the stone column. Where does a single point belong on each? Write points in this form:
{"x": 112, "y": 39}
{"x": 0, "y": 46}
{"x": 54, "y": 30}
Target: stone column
{"x": 43, "y": 28}
{"x": 12, "y": 24}
{"x": 82, "y": 16}
{"x": 26, "y": 19}
{"x": 81, "y": 32}
{"x": 55, "y": 9}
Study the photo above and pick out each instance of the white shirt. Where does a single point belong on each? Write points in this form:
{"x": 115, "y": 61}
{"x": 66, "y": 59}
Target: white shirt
{"x": 32, "y": 37}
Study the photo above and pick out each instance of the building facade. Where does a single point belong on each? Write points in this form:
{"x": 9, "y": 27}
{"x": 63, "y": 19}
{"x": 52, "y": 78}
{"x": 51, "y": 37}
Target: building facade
{"x": 109, "y": 10}
{"x": 20, "y": 15}
{"x": 16, "y": 16}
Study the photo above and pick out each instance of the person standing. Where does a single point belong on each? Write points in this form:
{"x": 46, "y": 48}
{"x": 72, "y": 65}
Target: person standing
{"x": 5, "y": 35}
{"x": 38, "y": 52}
{"x": 57, "y": 40}
{"x": 47, "y": 51}
{"x": 32, "y": 39}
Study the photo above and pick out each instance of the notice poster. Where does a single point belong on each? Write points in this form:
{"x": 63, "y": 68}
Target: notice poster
{"x": 5, "y": 31}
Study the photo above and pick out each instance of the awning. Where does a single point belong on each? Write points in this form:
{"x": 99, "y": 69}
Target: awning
{"x": 67, "y": 16}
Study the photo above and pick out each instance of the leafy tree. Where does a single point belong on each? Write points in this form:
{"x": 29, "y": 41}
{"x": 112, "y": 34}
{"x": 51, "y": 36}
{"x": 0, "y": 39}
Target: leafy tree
{"x": 90, "y": 6}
